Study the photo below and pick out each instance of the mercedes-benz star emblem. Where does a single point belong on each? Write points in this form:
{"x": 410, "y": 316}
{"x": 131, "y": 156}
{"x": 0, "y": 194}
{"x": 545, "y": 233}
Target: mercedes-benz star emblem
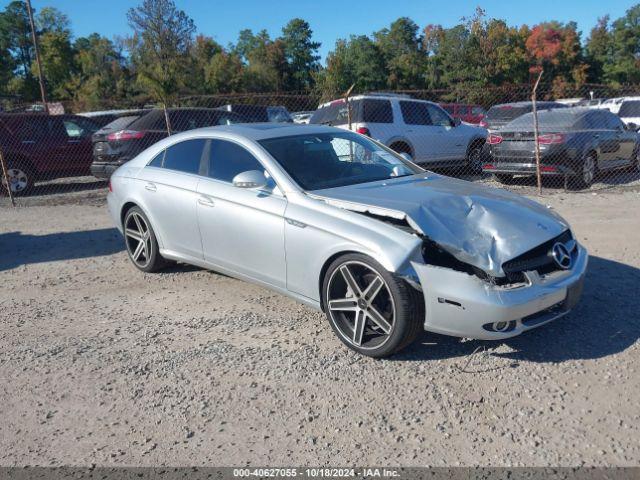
{"x": 561, "y": 256}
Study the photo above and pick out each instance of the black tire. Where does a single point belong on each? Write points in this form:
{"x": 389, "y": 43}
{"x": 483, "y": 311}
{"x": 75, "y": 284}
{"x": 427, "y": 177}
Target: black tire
{"x": 401, "y": 147}
{"x": 474, "y": 158}
{"x": 504, "y": 178}
{"x": 21, "y": 177}
{"x": 405, "y": 303}
{"x": 635, "y": 161}
{"x": 584, "y": 179}
{"x": 149, "y": 258}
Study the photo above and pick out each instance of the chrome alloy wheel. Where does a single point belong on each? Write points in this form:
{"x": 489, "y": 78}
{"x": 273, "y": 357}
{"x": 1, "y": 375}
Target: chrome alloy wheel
{"x": 360, "y": 305}
{"x": 18, "y": 180}
{"x": 138, "y": 238}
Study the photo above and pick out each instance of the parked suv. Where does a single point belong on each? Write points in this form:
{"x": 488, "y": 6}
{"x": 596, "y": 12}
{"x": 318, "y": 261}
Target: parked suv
{"x": 465, "y": 112}
{"x": 419, "y": 129}
{"x": 38, "y": 146}
{"x": 120, "y": 146}
{"x": 499, "y": 115}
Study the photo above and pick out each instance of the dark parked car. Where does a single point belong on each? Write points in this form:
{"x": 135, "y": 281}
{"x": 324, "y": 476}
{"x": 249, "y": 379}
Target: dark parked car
{"x": 499, "y": 115}
{"x": 577, "y": 142}
{"x": 41, "y": 147}
{"x": 259, "y": 113}
{"x": 122, "y": 144}
{"x": 465, "y": 112}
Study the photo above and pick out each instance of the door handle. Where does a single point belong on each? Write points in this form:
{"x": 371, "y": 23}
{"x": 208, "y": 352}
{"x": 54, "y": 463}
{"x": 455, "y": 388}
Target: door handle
{"x": 206, "y": 202}
{"x": 151, "y": 187}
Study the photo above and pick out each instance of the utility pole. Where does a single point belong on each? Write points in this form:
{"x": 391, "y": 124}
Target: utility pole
{"x": 43, "y": 92}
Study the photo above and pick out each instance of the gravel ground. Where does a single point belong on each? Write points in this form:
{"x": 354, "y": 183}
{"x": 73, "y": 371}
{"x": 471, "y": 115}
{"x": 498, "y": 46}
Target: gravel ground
{"x": 101, "y": 364}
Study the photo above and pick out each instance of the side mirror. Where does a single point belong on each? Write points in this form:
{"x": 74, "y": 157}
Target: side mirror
{"x": 633, "y": 126}
{"x": 250, "y": 179}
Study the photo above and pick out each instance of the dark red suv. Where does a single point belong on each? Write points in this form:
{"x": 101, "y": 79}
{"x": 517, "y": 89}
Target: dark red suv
{"x": 37, "y": 147}
{"x": 465, "y": 112}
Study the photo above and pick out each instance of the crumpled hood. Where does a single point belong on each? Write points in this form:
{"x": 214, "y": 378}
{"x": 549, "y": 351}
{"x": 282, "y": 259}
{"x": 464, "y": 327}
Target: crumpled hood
{"x": 479, "y": 225}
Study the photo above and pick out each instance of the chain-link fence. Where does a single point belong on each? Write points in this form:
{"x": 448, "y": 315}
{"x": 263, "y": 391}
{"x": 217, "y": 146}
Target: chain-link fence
{"x": 586, "y": 138}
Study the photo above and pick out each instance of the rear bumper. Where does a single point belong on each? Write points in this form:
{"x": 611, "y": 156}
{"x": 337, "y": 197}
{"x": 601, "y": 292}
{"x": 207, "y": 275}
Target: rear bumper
{"x": 462, "y": 305}
{"x": 104, "y": 170}
{"x": 526, "y": 168}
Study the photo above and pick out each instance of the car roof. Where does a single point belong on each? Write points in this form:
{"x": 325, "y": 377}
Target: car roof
{"x": 526, "y": 103}
{"x": 262, "y": 131}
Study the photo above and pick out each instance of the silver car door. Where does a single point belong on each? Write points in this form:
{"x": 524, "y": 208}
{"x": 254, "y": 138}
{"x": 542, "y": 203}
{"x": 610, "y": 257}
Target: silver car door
{"x": 169, "y": 186}
{"x": 242, "y": 230}
{"x": 425, "y": 137}
{"x": 453, "y": 140}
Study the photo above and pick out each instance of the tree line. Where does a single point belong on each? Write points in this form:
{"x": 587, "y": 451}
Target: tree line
{"x": 164, "y": 56}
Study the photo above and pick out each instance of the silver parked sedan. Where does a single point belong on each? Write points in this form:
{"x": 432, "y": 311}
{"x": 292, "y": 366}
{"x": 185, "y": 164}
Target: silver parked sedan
{"x": 347, "y": 226}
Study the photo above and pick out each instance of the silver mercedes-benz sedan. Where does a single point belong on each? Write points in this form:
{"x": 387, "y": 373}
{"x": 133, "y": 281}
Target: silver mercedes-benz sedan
{"x": 343, "y": 224}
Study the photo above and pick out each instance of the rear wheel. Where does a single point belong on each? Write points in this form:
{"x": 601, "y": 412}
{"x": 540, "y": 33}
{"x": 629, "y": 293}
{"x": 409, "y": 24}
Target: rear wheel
{"x": 401, "y": 147}
{"x": 474, "y": 158}
{"x": 142, "y": 245}
{"x": 371, "y": 310}
{"x": 21, "y": 178}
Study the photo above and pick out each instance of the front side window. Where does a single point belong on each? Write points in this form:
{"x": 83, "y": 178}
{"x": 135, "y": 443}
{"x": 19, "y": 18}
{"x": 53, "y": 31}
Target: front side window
{"x": 184, "y": 156}
{"x": 329, "y": 160}
{"x": 227, "y": 159}
{"x": 438, "y": 116}
{"x": 415, "y": 113}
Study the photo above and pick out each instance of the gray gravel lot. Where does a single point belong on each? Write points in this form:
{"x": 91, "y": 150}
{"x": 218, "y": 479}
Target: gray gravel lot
{"x": 101, "y": 364}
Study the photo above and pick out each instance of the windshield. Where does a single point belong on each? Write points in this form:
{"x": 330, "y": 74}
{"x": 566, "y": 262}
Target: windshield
{"x": 327, "y": 160}
{"x": 630, "y": 109}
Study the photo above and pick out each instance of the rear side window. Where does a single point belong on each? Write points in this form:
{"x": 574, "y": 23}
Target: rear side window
{"x": 335, "y": 113}
{"x": 227, "y": 159}
{"x": 415, "y": 113}
{"x": 630, "y": 109}
{"x": 184, "y": 156}
{"x": 377, "y": 111}
{"x": 612, "y": 121}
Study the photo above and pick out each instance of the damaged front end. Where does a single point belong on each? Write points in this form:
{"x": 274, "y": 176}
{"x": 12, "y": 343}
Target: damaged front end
{"x": 493, "y": 277}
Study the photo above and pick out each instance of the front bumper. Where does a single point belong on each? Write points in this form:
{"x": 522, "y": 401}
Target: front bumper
{"x": 462, "y": 305}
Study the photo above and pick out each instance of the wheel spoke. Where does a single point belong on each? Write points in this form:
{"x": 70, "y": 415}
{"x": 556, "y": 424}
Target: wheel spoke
{"x": 351, "y": 282}
{"x": 358, "y": 327}
{"x": 133, "y": 234}
{"x": 373, "y": 289}
{"x": 377, "y": 318}
{"x": 139, "y": 249}
{"x": 343, "y": 304}
{"x": 138, "y": 224}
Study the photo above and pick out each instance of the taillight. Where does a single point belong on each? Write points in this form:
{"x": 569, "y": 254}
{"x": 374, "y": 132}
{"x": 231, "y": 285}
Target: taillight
{"x": 550, "y": 138}
{"x": 488, "y": 166}
{"x": 363, "y": 131}
{"x": 547, "y": 168}
{"x": 110, "y": 187}
{"x": 494, "y": 139}
{"x": 483, "y": 123}
{"x": 124, "y": 135}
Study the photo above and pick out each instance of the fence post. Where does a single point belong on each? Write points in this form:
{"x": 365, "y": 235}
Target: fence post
{"x": 5, "y": 174}
{"x": 535, "y": 132}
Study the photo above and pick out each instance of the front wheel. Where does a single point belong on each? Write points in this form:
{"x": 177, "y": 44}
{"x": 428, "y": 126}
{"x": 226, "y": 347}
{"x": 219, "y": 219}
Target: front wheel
{"x": 587, "y": 171}
{"x": 371, "y": 310}
{"x": 21, "y": 178}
